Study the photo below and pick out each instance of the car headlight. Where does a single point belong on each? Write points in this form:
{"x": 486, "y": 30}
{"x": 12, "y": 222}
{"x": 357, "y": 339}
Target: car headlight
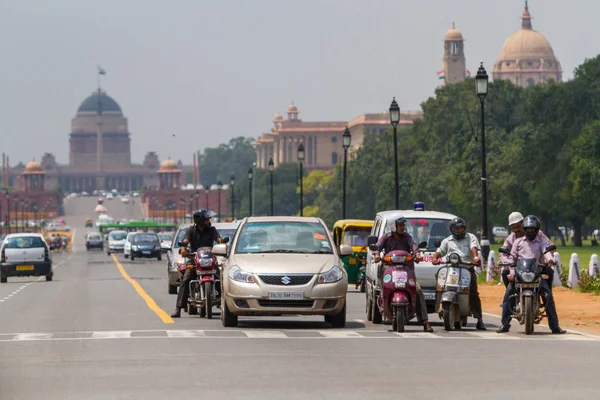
{"x": 134, "y": 247}
{"x": 239, "y": 275}
{"x": 333, "y": 275}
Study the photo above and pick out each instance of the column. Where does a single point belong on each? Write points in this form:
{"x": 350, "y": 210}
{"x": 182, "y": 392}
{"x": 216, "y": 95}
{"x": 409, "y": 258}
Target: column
{"x": 309, "y": 146}
{"x": 316, "y": 157}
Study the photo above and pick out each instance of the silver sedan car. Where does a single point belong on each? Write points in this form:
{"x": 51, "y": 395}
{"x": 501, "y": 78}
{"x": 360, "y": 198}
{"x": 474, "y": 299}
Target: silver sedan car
{"x": 283, "y": 265}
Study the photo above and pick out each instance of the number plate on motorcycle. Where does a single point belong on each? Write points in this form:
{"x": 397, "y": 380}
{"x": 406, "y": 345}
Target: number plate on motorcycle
{"x": 429, "y": 295}
{"x": 286, "y": 295}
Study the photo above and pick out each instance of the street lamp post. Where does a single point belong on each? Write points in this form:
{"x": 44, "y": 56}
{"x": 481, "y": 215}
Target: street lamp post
{"x": 219, "y": 187}
{"x": 232, "y": 183}
{"x": 481, "y": 84}
{"x": 198, "y": 199}
{"x": 301, "y": 155}
{"x": 250, "y": 177}
{"x": 271, "y": 168}
{"x": 8, "y": 210}
{"x": 346, "y": 138}
{"x": 395, "y": 119}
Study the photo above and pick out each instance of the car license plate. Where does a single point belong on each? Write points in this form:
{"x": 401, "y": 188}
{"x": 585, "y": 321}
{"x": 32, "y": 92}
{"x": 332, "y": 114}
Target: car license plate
{"x": 429, "y": 295}
{"x": 145, "y": 252}
{"x": 286, "y": 296}
{"x": 24, "y": 267}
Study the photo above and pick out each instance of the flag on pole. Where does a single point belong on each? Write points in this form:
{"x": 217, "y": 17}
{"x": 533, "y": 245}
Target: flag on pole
{"x": 441, "y": 74}
{"x": 101, "y": 71}
{"x": 468, "y": 73}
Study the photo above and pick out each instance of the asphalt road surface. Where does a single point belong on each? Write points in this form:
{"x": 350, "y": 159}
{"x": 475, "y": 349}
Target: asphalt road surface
{"x": 101, "y": 330}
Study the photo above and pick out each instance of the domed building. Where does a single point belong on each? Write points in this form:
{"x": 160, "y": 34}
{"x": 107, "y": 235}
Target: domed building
{"x": 527, "y": 58}
{"x": 455, "y": 64}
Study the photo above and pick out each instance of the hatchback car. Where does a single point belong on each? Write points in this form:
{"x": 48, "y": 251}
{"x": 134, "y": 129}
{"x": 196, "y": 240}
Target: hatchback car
{"x": 25, "y": 254}
{"x": 165, "y": 241}
{"x": 145, "y": 245}
{"x": 127, "y": 246}
{"x": 116, "y": 242}
{"x": 174, "y": 260}
{"x": 283, "y": 265}
{"x": 94, "y": 240}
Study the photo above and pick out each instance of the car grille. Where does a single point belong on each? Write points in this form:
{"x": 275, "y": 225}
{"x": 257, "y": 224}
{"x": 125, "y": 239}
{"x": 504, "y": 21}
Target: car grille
{"x": 286, "y": 280}
{"x": 286, "y": 303}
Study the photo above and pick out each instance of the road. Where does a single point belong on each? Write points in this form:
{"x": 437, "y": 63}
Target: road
{"x": 101, "y": 330}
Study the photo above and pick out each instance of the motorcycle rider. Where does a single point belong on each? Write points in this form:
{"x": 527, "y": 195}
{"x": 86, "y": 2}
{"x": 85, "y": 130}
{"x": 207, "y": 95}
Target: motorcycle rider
{"x": 515, "y": 221}
{"x": 467, "y": 247}
{"x": 531, "y": 246}
{"x": 398, "y": 239}
{"x": 200, "y": 234}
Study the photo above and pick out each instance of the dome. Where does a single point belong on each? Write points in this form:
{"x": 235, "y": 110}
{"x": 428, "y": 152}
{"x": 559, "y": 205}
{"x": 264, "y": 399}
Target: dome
{"x": 33, "y": 167}
{"x": 292, "y": 108}
{"x": 453, "y": 34}
{"x": 107, "y": 103}
{"x": 168, "y": 165}
{"x": 278, "y": 117}
{"x": 526, "y": 45}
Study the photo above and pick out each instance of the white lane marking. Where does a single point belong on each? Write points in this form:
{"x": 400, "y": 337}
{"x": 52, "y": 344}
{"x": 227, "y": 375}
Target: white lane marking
{"x": 265, "y": 334}
{"x": 416, "y": 335}
{"x": 33, "y": 336}
{"x": 112, "y": 335}
{"x": 492, "y": 335}
{"x": 340, "y": 334}
{"x": 361, "y": 321}
{"x": 186, "y": 334}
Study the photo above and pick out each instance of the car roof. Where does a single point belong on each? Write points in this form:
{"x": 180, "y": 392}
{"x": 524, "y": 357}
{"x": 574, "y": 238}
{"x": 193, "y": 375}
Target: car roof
{"x": 283, "y": 219}
{"x": 13, "y": 235}
{"x": 118, "y": 231}
{"x": 227, "y": 225}
{"x": 415, "y": 214}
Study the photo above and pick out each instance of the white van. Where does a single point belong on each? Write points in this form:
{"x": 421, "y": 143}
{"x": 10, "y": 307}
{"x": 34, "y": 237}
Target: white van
{"x": 127, "y": 246}
{"x": 116, "y": 242}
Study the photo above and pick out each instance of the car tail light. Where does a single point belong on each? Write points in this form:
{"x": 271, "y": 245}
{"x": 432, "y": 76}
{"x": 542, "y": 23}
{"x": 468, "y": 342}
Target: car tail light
{"x": 46, "y": 254}
{"x": 3, "y": 256}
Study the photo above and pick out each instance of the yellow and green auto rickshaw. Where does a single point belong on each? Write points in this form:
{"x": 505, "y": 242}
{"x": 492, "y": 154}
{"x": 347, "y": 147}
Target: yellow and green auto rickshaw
{"x": 89, "y": 223}
{"x": 354, "y": 232}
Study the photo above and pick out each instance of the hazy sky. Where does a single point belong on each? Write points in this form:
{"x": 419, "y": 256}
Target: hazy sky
{"x": 210, "y": 70}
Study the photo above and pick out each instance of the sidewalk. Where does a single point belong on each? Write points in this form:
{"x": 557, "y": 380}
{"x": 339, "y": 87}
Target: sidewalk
{"x": 575, "y": 310}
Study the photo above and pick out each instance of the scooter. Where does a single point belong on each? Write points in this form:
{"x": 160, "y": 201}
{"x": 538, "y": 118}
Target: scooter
{"x": 398, "y": 296}
{"x": 528, "y": 309}
{"x": 452, "y": 294}
{"x": 362, "y": 269}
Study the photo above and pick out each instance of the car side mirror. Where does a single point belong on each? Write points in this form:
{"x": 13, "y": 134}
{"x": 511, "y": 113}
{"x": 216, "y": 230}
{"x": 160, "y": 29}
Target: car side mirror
{"x": 345, "y": 250}
{"x": 550, "y": 248}
{"x": 373, "y": 247}
{"x": 372, "y": 240}
{"x": 220, "y": 249}
{"x": 423, "y": 245}
{"x": 504, "y": 250}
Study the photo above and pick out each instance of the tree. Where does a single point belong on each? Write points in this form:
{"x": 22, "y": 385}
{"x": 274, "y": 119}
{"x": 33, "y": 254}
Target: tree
{"x": 235, "y": 157}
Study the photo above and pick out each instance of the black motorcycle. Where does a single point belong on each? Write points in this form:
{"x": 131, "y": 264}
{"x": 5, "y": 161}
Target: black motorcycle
{"x": 528, "y": 309}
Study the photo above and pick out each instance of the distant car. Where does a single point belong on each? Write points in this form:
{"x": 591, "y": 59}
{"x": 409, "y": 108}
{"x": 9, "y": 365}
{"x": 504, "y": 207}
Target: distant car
{"x": 125, "y": 200}
{"x": 145, "y": 245}
{"x": 174, "y": 260}
{"x": 94, "y": 241}
{"x": 227, "y": 229}
{"x": 116, "y": 242}
{"x": 109, "y": 196}
{"x": 25, "y": 254}
{"x": 500, "y": 232}
{"x": 136, "y": 194}
{"x": 127, "y": 246}
{"x": 165, "y": 241}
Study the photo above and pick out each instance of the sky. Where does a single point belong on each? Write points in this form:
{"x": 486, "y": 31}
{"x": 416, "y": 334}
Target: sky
{"x": 206, "y": 71}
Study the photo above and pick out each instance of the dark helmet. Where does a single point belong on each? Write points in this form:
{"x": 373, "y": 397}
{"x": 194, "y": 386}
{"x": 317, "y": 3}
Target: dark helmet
{"x": 531, "y": 221}
{"x": 202, "y": 215}
{"x": 455, "y": 224}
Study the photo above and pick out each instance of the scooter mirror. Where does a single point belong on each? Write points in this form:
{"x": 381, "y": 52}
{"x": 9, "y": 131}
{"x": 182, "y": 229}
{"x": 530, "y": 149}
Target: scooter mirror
{"x": 550, "y": 248}
{"x": 371, "y": 240}
{"x": 181, "y": 244}
{"x": 503, "y": 250}
{"x": 373, "y": 247}
{"x": 226, "y": 240}
{"x": 423, "y": 245}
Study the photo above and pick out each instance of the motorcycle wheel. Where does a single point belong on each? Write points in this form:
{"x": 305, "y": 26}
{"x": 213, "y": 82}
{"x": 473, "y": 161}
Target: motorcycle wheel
{"x": 208, "y": 301}
{"x": 399, "y": 318}
{"x": 369, "y": 308}
{"x": 528, "y": 308}
{"x": 448, "y": 310}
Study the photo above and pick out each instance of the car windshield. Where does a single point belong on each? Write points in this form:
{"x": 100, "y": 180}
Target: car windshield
{"x": 283, "y": 237}
{"x": 118, "y": 235}
{"x": 165, "y": 237}
{"x": 356, "y": 235}
{"x": 24, "y": 242}
{"x": 180, "y": 235}
{"x": 144, "y": 238}
{"x": 95, "y": 237}
{"x": 430, "y": 230}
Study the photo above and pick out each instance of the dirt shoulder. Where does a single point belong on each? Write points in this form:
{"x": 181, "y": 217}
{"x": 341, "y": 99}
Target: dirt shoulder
{"x": 575, "y": 310}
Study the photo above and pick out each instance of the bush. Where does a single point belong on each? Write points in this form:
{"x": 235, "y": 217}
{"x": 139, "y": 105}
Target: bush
{"x": 588, "y": 283}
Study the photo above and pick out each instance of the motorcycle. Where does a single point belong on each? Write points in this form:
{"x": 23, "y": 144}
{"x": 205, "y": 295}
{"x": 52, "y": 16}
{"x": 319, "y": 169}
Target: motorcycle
{"x": 528, "y": 309}
{"x": 362, "y": 269}
{"x": 452, "y": 292}
{"x": 205, "y": 290}
{"x": 398, "y": 296}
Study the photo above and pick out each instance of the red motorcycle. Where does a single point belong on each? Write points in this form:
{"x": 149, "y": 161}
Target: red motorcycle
{"x": 398, "y": 297}
{"x": 205, "y": 290}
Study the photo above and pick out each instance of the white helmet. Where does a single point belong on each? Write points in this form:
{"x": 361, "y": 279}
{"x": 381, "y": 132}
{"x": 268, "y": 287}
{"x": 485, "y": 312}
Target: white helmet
{"x": 514, "y": 218}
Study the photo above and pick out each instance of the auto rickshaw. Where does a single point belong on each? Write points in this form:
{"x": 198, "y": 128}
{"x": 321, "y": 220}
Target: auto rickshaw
{"x": 89, "y": 223}
{"x": 354, "y": 232}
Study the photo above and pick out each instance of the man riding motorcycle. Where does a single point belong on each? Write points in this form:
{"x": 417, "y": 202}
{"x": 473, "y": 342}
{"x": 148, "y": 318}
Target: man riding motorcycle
{"x": 515, "y": 221}
{"x": 201, "y": 234}
{"x": 467, "y": 247}
{"x": 398, "y": 239}
{"x": 531, "y": 246}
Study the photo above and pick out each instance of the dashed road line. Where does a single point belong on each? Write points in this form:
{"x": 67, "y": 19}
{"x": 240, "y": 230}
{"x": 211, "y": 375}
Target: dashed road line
{"x": 258, "y": 334}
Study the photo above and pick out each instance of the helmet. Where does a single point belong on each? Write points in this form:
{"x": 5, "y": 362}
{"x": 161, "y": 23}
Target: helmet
{"x": 455, "y": 226}
{"x": 531, "y": 221}
{"x": 514, "y": 218}
{"x": 202, "y": 215}
{"x": 399, "y": 221}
